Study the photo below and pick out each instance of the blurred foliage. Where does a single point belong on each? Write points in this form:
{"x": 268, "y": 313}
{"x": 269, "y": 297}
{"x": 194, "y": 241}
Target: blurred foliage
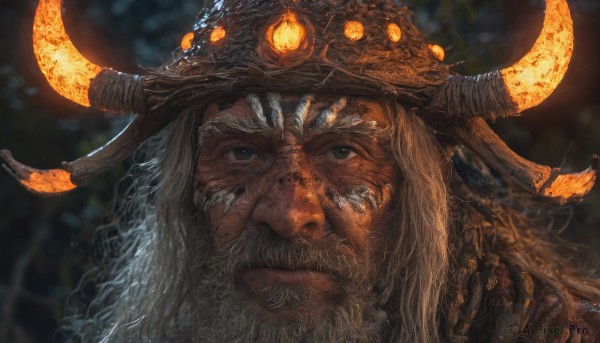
{"x": 45, "y": 244}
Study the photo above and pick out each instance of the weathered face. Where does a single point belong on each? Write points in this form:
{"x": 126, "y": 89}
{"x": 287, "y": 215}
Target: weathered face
{"x": 308, "y": 177}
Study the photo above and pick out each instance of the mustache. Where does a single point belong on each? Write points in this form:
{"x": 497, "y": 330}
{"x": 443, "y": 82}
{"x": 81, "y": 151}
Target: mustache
{"x": 248, "y": 252}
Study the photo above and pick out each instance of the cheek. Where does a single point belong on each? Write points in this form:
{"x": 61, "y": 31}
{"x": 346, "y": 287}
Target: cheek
{"x": 387, "y": 232}
{"x": 226, "y": 198}
{"x": 352, "y": 196}
{"x": 229, "y": 225}
{"x": 358, "y": 208}
{"x": 360, "y": 188}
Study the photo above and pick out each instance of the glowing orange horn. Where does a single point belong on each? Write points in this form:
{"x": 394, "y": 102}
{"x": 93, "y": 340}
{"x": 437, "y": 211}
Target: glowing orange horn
{"x": 542, "y": 181}
{"x": 521, "y": 86}
{"x": 67, "y": 71}
{"x": 532, "y": 79}
{"x": 72, "y": 75}
{"x": 42, "y": 182}
{"x": 79, "y": 172}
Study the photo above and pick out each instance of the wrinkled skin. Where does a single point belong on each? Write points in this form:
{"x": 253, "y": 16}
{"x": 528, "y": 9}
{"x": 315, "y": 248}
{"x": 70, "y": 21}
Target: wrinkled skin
{"x": 327, "y": 183}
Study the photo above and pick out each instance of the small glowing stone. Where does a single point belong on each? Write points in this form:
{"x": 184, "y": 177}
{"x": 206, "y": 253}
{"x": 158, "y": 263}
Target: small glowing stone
{"x": 286, "y": 35}
{"x": 217, "y": 34}
{"x": 394, "y": 32}
{"x": 437, "y": 51}
{"x": 187, "y": 41}
{"x": 354, "y": 30}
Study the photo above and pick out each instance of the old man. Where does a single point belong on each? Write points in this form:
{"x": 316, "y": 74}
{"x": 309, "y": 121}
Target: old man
{"x": 317, "y": 174}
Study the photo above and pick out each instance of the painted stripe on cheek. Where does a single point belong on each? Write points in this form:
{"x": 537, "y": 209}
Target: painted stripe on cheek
{"x": 359, "y": 198}
{"x": 224, "y": 197}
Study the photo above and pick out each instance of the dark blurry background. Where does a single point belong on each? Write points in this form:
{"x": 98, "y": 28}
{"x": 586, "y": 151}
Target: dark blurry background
{"x": 45, "y": 244}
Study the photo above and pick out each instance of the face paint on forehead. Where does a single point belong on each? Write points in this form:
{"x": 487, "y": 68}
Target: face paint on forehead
{"x": 267, "y": 115}
{"x": 257, "y": 107}
{"x": 302, "y": 112}
{"x": 328, "y": 116}
{"x": 276, "y": 112}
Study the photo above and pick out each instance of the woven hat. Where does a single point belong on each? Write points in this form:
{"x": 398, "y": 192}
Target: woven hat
{"x": 356, "y": 47}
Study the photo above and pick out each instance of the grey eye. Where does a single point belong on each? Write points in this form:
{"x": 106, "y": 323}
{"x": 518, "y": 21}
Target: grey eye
{"x": 342, "y": 153}
{"x": 242, "y": 154}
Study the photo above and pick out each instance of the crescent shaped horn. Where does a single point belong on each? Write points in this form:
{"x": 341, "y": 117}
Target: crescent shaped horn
{"x": 532, "y": 79}
{"x": 79, "y": 172}
{"x": 524, "y": 85}
{"x": 543, "y": 181}
{"x": 72, "y": 75}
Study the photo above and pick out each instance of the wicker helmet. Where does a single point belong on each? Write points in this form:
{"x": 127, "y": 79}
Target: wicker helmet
{"x": 350, "y": 47}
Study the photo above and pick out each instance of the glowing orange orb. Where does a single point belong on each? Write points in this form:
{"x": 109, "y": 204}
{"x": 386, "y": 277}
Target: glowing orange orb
{"x": 287, "y": 35}
{"x": 394, "y": 32}
{"x": 437, "y": 51}
{"x": 354, "y": 30}
{"x": 67, "y": 71}
{"x": 187, "y": 41}
{"x": 217, "y": 34}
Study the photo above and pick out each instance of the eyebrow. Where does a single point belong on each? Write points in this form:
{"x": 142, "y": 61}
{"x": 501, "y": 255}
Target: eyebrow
{"x": 328, "y": 116}
{"x": 331, "y": 121}
{"x": 229, "y": 125}
{"x": 328, "y": 122}
{"x": 349, "y": 125}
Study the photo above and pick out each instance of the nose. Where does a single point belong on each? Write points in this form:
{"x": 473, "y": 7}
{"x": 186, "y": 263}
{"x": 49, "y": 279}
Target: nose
{"x": 290, "y": 208}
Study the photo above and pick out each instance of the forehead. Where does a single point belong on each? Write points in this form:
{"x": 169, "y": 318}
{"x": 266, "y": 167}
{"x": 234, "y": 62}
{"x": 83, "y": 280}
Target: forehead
{"x": 309, "y": 110}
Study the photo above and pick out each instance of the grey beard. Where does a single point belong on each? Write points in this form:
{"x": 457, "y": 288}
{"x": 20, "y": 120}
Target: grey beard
{"x": 222, "y": 314}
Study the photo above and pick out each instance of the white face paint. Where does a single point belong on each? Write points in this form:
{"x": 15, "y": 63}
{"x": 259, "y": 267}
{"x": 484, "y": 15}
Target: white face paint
{"x": 328, "y": 116}
{"x": 324, "y": 118}
{"x": 257, "y": 107}
{"x": 276, "y": 112}
{"x": 302, "y": 112}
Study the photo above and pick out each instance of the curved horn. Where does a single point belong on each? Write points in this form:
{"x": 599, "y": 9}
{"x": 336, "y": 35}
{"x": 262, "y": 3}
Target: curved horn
{"x": 81, "y": 171}
{"x": 539, "y": 180}
{"x": 72, "y": 75}
{"x": 521, "y": 86}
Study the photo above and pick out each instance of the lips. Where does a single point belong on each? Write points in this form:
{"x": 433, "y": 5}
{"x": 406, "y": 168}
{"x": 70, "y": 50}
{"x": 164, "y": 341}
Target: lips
{"x": 290, "y": 276}
{"x": 297, "y": 276}
{"x": 284, "y": 294}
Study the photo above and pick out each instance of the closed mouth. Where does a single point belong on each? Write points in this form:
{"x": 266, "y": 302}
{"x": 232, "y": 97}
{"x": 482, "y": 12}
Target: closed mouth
{"x": 287, "y": 274}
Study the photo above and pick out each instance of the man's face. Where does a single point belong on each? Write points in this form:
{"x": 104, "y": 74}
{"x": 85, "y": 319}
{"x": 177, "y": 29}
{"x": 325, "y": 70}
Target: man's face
{"x": 296, "y": 191}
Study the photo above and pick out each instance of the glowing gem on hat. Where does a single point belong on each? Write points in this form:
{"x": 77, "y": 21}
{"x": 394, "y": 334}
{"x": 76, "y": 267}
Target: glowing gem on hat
{"x": 354, "y": 30}
{"x": 394, "y": 32}
{"x": 217, "y": 34}
{"x": 437, "y": 51}
{"x": 187, "y": 41}
{"x": 287, "y": 35}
